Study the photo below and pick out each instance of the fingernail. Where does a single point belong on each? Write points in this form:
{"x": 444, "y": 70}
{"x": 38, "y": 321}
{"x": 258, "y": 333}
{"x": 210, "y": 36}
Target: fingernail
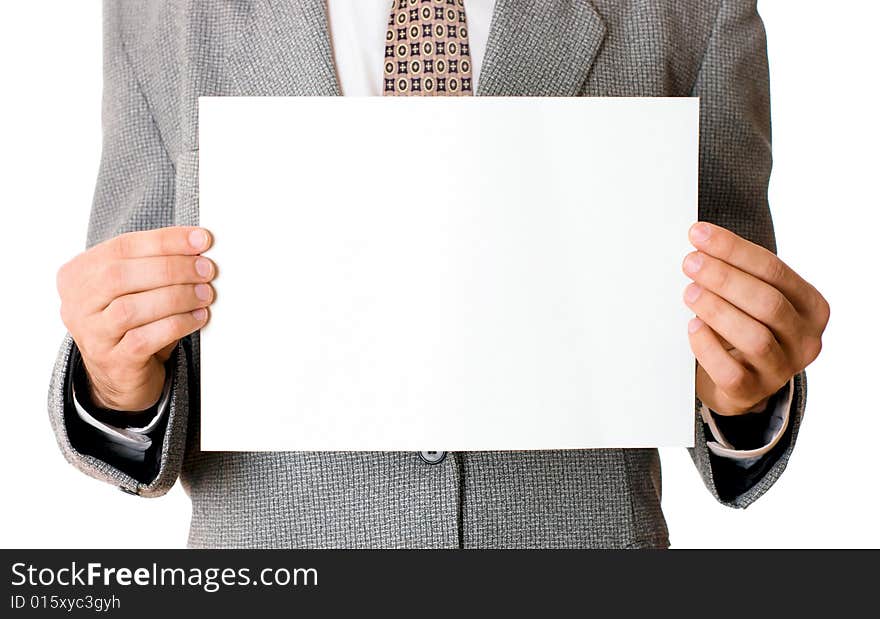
{"x": 693, "y": 263}
{"x": 200, "y": 314}
{"x": 203, "y": 267}
{"x": 692, "y": 293}
{"x": 700, "y": 233}
{"x": 203, "y": 292}
{"x": 198, "y": 239}
{"x": 694, "y": 325}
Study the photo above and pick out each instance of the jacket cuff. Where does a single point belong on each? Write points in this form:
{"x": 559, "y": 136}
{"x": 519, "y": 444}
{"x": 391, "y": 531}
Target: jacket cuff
{"x": 169, "y": 441}
{"x": 734, "y": 485}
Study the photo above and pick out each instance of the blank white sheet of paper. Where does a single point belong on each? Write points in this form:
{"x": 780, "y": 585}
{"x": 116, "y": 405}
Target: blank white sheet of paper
{"x": 453, "y": 274}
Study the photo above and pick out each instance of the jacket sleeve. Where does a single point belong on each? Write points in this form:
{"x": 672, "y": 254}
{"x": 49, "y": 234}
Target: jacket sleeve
{"x": 135, "y": 191}
{"x": 735, "y": 162}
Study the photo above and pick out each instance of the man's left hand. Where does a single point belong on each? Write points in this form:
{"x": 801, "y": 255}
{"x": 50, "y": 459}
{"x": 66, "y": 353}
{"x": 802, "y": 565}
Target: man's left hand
{"x": 758, "y": 322}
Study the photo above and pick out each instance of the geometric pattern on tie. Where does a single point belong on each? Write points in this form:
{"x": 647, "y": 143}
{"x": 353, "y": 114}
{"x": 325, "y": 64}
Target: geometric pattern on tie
{"x": 426, "y": 49}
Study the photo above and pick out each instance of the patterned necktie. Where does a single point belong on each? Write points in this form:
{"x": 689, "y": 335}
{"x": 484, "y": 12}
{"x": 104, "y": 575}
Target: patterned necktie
{"x": 426, "y": 49}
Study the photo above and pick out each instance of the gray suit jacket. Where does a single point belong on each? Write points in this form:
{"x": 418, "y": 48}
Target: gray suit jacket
{"x": 160, "y": 56}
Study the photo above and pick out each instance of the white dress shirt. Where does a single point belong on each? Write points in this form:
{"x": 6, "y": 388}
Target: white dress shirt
{"x": 357, "y": 33}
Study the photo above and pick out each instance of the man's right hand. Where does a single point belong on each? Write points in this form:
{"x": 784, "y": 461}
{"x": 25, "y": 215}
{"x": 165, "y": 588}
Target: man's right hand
{"x": 127, "y": 302}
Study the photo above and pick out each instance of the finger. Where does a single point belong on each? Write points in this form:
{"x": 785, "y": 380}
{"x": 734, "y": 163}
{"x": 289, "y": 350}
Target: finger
{"x": 753, "y": 296}
{"x": 147, "y": 340}
{"x": 753, "y": 259}
{"x": 73, "y": 277}
{"x": 727, "y": 345}
{"x": 133, "y": 310}
{"x": 729, "y": 382}
{"x": 122, "y": 277}
{"x": 177, "y": 240}
{"x": 753, "y": 340}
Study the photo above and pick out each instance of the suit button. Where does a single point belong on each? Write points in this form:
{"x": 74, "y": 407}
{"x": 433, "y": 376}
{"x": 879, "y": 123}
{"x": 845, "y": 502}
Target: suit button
{"x": 432, "y": 457}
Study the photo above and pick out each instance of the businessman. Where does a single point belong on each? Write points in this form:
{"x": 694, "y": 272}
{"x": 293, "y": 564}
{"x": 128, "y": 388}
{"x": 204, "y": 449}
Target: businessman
{"x": 124, "y": 399}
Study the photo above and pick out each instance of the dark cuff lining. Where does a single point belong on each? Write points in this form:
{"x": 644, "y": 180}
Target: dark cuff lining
{"x": 90, "y": 441}
{"x": 731, "y": 479}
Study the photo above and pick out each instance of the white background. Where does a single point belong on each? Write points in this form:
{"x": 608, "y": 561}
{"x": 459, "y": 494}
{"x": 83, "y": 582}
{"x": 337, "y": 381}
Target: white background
{"x": 824, "y": 60}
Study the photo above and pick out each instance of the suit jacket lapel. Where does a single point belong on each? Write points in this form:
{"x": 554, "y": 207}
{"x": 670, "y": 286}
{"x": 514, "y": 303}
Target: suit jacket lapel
{"x": 540, "y": 47}
{"x": 535, "y": 48}
{"x": 284, "y": 50}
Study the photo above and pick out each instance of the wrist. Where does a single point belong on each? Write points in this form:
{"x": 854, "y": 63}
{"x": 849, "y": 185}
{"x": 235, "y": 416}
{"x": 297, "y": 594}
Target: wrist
{"x": 101, "y": 395}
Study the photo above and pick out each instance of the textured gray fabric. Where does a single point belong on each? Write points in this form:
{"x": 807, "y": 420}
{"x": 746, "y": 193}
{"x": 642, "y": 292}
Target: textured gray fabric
{"x": 160, "y": 56}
